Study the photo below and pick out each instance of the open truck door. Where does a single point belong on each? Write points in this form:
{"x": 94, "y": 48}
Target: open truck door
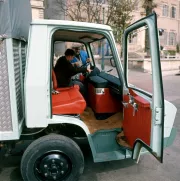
{"x": 143, "y": 123}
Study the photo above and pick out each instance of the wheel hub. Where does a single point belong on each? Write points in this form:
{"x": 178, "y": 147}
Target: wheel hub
{"x": 53, "y": 166}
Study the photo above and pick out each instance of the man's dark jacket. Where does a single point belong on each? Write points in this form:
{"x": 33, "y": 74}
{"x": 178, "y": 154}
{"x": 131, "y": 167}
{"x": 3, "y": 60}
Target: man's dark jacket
{"x": 64, "y": 70}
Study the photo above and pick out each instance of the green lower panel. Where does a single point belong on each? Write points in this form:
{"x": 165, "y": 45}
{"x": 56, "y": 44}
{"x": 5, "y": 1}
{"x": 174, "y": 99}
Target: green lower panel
{"x": 104, "y": 146}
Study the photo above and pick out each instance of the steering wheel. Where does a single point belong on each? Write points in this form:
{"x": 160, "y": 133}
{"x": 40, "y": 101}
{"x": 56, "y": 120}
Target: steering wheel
{"x": 86, "y": 64}
{"x": 95, "y": 71}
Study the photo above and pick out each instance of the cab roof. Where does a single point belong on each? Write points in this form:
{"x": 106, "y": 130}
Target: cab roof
{"x": 70, "y": 23}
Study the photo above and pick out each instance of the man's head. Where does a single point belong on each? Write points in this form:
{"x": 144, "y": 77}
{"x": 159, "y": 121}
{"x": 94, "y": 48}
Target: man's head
{"x": 77, "y": 47}
{"x": 77, "y": 50}
{"x": 69, "y": 54}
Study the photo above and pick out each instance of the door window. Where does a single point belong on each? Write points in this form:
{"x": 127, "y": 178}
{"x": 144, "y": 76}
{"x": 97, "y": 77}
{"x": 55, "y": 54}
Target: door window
{"x": 139, "y": 60}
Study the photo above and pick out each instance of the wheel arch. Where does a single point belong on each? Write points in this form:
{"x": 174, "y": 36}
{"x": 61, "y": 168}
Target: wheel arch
{"x": 67, "y": 129}
{"x": 70, "y": 121}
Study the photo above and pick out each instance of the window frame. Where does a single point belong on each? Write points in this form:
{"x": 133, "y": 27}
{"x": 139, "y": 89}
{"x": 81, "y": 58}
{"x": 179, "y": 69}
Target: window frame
{"x": 163, "y": 39}
{"x": 173, "y": 12}
{"x": 172, "y": 38}
{"x": 165, "y": 10}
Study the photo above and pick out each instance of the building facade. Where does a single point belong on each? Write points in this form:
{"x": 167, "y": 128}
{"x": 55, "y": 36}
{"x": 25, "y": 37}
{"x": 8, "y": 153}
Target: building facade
{"x": 168, "y": 12}
{"x": 37, "y": 7}
{"x": 168, "y": 19}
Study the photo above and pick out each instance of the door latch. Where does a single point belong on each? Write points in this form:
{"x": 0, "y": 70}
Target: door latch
{"x": 158, "y": 112}
{"x": 131, "y": 99}
{"x": 125, "y": 104}
{"x": 135, "y": 108}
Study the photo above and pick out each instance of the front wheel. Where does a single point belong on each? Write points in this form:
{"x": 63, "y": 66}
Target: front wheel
{"x": 52, "y": 157}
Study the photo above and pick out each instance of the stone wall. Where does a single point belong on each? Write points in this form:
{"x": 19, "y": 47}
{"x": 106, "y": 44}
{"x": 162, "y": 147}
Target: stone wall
{"x": 166, "y": 64}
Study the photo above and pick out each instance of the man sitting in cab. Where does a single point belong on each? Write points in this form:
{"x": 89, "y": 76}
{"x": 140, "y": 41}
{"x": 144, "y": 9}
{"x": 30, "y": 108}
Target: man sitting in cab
{"x": 64, "y": 70}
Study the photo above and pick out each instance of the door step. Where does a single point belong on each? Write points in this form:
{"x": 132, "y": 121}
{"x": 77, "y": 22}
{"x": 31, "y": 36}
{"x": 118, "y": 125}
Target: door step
{"x": 104, "y": 146}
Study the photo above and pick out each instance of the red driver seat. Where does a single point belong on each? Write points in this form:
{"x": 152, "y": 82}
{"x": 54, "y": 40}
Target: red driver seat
{"x": 68, "y": 101}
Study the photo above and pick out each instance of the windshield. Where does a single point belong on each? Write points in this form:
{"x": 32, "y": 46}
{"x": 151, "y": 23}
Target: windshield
{"x": 103, "y": 57}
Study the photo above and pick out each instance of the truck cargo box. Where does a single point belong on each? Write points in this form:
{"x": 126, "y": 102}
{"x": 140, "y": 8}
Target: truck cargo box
{"x": 12, "y": 70}
{"x": 15, "y": 19}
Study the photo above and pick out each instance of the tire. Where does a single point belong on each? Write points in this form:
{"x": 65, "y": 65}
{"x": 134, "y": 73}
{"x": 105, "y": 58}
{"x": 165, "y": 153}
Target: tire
{"x": 52, "y": 157}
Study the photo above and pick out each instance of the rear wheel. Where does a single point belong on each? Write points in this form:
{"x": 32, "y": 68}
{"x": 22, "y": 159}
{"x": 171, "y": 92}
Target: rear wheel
{"x": 52, "y": 157}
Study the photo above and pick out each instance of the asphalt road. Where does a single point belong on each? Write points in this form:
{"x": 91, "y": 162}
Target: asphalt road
{"x": 148, "y": 168}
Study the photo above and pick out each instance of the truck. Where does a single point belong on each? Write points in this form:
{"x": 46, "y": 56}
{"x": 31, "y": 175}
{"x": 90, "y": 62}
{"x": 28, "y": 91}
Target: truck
{"x": 119, "y": 119}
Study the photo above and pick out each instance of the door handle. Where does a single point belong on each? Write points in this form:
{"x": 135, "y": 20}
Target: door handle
{"x": 131, "y": 99}
{"x": 135, "y": 108}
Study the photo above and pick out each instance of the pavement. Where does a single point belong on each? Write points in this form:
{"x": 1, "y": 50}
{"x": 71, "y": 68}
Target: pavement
{"x": 148, "y": 169}
{"x": 170, "y": 72}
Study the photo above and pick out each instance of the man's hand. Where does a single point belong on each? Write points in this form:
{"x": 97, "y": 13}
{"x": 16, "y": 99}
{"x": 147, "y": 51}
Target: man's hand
{"x": 88, "y": 60}
{"x": 77, "y": 64}
{"x": 89, "y": 70}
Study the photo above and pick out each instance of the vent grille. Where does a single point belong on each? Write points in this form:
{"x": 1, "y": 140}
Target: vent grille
{"x": 23, "y": 58}
{"x": 5, "y": 106}
{"x": 17, "y": 77}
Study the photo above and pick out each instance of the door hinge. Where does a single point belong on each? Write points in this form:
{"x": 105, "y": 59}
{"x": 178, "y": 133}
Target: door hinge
{"x": 158, "y": 113}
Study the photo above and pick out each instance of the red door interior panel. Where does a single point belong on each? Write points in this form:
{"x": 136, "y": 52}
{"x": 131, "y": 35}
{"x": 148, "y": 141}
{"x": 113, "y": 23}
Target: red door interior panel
{"x": 138, "y": 125}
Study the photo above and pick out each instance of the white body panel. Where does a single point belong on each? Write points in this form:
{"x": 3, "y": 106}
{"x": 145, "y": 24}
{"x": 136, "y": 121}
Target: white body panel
{"x": 57, "y": 23}
{"x": 37, "y": 83}
{"x": 169, "y": 117}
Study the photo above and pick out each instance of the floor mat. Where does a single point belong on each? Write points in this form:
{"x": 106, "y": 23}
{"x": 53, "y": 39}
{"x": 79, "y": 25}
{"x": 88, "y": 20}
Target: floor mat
{"x": 88, "y": 117}
{"x": 121, "y": 140}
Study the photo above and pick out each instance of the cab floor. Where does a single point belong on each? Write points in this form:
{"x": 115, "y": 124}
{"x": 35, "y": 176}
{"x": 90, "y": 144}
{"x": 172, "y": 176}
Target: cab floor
{"x": 114, "y": 121}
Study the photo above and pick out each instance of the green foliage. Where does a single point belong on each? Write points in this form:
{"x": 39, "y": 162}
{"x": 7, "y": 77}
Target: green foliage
{"x": 149, "y": 5}
{"x": 177, "y": 48}
{"x": 116, "y": 13}
{"x": 121, "y": 16}
{"x": 169, "y": 52}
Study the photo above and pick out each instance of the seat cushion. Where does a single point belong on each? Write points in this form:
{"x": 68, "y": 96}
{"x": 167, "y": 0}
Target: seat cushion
{"x": 68, "y": 101}
{"x": 67, "y": 88}
{"x": 98, "y": 82}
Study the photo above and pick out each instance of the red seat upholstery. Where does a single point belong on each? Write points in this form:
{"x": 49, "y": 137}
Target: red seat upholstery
{"x": 68, "y": 101}
{"x": 55, "y": 84}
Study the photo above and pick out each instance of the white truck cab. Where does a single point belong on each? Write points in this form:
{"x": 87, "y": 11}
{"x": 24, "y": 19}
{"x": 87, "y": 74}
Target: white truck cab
{"x": 119, "y": 119}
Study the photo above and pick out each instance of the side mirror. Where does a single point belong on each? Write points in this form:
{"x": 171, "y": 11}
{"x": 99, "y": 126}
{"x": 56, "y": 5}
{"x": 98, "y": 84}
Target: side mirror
{"x": 112, "y": 62}
{"x": 161, "y": 31}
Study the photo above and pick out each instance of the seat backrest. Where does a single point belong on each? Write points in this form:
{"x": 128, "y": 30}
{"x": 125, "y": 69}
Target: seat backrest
{"x": 54, "y": 80}
{"x": 55, "y": 84}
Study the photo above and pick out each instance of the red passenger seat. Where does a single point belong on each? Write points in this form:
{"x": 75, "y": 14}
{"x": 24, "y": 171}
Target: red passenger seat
{"x": 68, "y": 101}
